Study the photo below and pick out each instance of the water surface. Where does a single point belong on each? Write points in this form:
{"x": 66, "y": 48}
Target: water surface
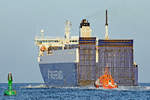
{"x": 35, "y": 92}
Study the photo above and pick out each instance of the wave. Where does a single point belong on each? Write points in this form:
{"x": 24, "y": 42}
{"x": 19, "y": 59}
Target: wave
{"x": 120, "y": 88}
{"x": 35, "y": 86}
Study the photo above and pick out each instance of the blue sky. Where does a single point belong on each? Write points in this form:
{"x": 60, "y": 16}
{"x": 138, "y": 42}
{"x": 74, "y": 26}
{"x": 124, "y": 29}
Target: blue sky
{"x": 21, "y": 21}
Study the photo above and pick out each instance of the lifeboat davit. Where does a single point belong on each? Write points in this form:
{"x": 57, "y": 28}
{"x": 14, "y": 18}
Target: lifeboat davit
{"x": 106, "y": 81}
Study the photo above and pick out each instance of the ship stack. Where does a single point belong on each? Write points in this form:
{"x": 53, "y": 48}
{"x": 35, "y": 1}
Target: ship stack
{"x": 87, "y": 55}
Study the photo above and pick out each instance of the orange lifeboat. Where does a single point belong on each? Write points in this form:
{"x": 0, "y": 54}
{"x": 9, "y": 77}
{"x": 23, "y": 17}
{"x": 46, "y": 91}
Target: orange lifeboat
{"x": 43, "y": 48}
{"x": 106, "y": 81}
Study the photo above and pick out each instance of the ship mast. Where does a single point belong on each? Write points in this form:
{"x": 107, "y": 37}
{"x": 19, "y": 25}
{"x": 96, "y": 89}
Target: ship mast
{"x": 106, "y": 27}
{"x": 42, "y": 33}
{"x": 67, "y": 30}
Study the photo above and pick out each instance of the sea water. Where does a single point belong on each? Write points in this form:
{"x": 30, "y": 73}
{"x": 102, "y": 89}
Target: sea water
{"x": 37, "y": 91}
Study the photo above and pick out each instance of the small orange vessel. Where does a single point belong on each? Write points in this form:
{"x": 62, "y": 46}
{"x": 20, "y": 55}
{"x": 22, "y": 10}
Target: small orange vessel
{"x": 106, "y": 81}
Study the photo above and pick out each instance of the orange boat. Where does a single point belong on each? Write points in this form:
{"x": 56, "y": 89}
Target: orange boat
{"x": 106, "y": 81}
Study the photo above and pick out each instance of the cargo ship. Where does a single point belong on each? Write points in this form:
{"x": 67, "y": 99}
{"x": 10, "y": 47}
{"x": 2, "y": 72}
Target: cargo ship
{"x": 72, "y": 61}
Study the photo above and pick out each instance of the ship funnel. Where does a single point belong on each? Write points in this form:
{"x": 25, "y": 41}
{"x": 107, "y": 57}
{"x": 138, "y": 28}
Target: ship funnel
{"x": 106, "y": 27}
{"x": 85, "y": 30}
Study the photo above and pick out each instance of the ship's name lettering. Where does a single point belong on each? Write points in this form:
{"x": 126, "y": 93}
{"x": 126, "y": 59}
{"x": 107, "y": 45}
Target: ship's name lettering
{"x": 57, "y": 75}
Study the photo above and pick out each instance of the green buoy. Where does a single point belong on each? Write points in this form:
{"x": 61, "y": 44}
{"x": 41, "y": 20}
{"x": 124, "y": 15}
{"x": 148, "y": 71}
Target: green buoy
{"x": 10, "y": 91}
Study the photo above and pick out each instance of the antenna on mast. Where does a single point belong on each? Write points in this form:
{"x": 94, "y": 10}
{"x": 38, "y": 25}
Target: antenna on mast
{"x": 106, "y": 27}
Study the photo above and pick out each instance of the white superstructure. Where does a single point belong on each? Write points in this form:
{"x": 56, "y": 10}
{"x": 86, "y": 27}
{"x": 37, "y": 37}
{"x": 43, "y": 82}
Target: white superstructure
{"x": 47, "y": 45}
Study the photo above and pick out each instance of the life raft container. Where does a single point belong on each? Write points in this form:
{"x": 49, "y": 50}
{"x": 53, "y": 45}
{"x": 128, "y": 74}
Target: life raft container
{"x": 43, "y": 48}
